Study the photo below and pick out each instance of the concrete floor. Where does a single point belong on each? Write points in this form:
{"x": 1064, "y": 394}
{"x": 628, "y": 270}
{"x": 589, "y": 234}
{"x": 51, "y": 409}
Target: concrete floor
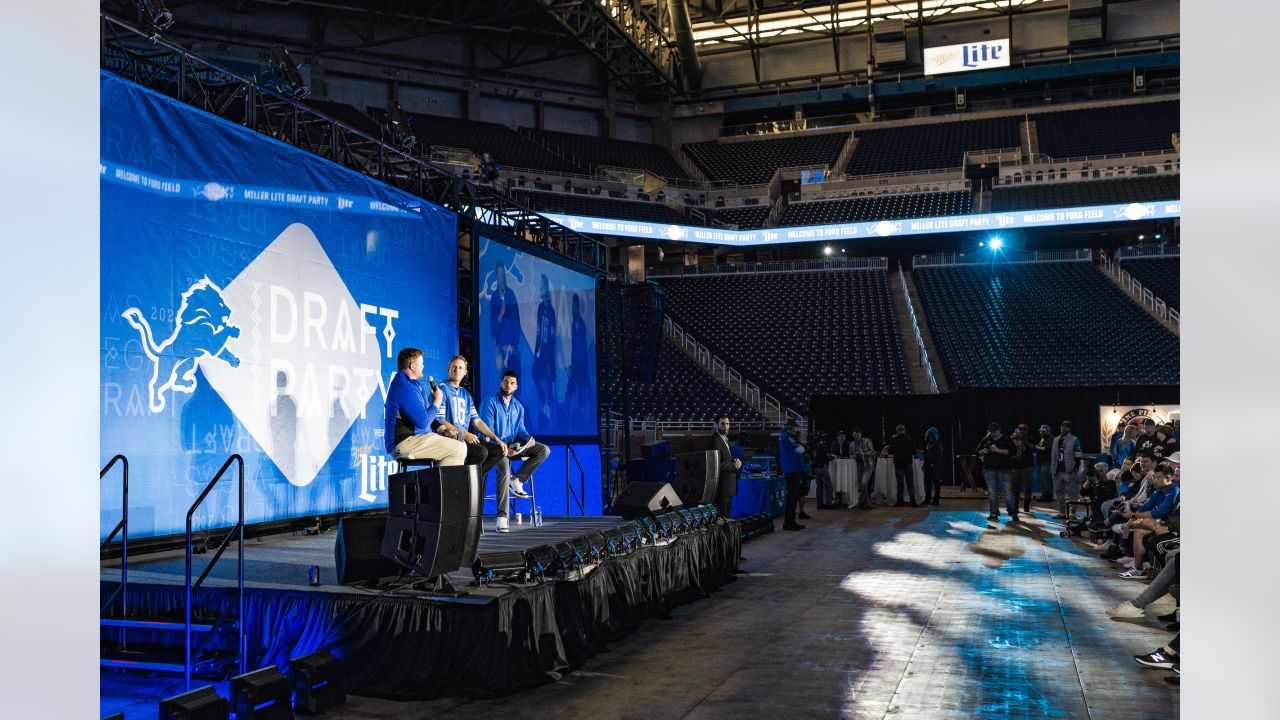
{"x": 888, "y": 613}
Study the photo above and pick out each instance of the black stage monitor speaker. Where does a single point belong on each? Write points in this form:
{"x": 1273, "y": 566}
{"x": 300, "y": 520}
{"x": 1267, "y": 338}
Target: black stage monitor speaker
{"x": 199, "y": 704}
{"x": 357, "y": 553}
{"x": 697, "y": 477}
{"x": 433, "y": 522}
{"x": 640, "y": 499}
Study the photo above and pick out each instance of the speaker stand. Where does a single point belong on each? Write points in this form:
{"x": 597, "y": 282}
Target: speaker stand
{"x": 438, "y": 585}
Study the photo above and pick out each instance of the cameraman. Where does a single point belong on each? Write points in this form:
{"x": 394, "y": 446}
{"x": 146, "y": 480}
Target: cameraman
{"x": 1099, "y": 486}
{"x": 995, "y": 449}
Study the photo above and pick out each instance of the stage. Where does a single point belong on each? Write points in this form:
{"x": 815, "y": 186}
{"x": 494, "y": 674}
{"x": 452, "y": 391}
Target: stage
{"x": 401, "y": 643}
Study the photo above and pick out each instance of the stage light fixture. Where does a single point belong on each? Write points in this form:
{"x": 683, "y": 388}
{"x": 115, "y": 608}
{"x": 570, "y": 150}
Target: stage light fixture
{"x": 317, "y": 683}
{"x": 262, "y": 695}
{"x": 499, "y": 567}
{"x": 1158, "y": 236}
{"x": 614, "y": 541}
{"x": 996, "y": 243}
{"x": 282, "y": 64}
{"x": 1142, "y": 237}
{"x": 981, "y": 244}
{"x": 199, "y": 704}
{"x": 155, "y": 13}
{"x": 826, "y": 250}
{"x": 542, "y": 561}
{"x": 398, "y": 126}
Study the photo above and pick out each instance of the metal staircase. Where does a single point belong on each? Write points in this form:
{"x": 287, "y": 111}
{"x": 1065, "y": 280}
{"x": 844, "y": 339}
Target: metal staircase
{"x": 193, "y": 658}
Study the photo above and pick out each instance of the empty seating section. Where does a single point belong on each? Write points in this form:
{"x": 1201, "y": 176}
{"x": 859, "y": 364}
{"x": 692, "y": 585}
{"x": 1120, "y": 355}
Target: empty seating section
{"x": 348, "y": 115}
{"x": 1094, "y": 192}
{"x": 878, "y": 207}
{"x": 1159, "y": 274}
{"x": 746, "y": 217}
{"x": 1108, "y": 130}
{"x": 928, "y": 147}
{"x": 755, "y": 161}
{"x": 797, "y": 334}
{"x": 1042, "y": 325}
{"x": 597, "y": 206}
{"x": 508, "y": 147}
{"x": 593, "y": 152}
{"x": 682, "y": 390}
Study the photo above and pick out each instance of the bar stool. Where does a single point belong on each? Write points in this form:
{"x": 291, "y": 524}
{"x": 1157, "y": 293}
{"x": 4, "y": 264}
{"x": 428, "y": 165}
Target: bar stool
{"x": 511, "y": 498}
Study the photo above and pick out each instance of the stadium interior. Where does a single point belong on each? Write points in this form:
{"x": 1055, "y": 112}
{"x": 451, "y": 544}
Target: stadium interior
{"x": 999, "y": 243}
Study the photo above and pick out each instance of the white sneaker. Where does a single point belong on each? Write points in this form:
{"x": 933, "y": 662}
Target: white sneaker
{"x": 1133, "y": 574}
{"x": 502, "y": 524}
{"x": 1125, "y": 609}
{"x": 517, "y": 489}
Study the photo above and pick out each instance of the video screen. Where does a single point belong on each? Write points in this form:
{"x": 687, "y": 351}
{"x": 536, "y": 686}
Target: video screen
{"x": 538, "y": 318}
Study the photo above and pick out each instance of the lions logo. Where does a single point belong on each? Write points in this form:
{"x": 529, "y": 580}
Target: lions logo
{"x": 201, "y": 329}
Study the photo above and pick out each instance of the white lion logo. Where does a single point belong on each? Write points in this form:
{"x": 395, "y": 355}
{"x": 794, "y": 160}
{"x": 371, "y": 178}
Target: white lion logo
{"x": 201, "y": 329}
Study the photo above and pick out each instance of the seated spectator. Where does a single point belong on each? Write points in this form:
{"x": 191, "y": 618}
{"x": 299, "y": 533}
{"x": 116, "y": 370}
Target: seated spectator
{"x": 1151, "y": 518}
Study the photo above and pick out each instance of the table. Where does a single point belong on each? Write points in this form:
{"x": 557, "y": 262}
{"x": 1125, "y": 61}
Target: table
{"x": 757, "y": 495}
{"x": 844, "y": 478}
{"x": 886, "y": 483}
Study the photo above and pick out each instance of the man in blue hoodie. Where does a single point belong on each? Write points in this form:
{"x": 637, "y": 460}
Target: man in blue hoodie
{"x": 407, "y": 417}
{"x": 791, "y": 459}
{"x": 505, "y": 415}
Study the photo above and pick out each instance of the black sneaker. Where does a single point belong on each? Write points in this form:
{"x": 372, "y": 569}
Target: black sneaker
{"x": 1169, "y": 617}
{"x": 793, "y": 526}
{"x": 900, "y": 504}
{"x": 1172, "y": 627}
{"x": 1157, "y": 659}
{"x": 804, "y": 516}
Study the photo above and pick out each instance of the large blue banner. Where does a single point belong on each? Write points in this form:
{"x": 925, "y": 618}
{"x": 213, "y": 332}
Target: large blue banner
{"x": 254, "y": 298}
{"x": 538, "y": 318}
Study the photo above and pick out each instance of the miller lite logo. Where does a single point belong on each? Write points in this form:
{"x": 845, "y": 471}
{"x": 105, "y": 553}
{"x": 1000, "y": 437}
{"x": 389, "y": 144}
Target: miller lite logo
{"x": 967, "y": 56}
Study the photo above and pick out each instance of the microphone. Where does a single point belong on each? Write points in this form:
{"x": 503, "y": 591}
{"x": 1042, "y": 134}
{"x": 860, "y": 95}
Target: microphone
{"x": 432, "y": 382}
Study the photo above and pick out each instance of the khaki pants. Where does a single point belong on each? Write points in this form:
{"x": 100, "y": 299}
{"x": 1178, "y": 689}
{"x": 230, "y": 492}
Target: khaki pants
{"x": 430, "y": 446}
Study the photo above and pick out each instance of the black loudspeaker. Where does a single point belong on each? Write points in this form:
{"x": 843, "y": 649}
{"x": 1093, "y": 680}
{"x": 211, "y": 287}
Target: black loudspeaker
{"x": 357, "y": 553}
{"x": 199, "y": 704}
{"x": 641, "y": 334}
{"x": 641, "y": 499}
{"x": 697, "y": 477}
{"x": 433, "y": 521}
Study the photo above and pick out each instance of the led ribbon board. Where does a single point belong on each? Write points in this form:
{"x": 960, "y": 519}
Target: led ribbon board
{"x": 1048, "y": 217}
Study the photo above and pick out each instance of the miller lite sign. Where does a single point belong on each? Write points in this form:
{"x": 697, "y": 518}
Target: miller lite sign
{"x": 967, "y": 56}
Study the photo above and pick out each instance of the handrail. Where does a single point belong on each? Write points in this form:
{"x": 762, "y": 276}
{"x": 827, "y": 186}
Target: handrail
{"x": 911, "y": 311}
{"x": 1007, "y": 257}
{"x": 1134, "y": 252}
{"x": 238, "y": 530}
{"x": 123, "y": 528}
{"x": 760, "y": 401}
{"x": 780, "y": 266}
{"x": 1141, "y": 294}
{"x": 582, "y": 482}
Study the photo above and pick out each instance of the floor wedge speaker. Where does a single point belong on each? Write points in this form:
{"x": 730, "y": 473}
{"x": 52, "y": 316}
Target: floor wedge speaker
{"x": 641, "y": 499}
{"x": 357, "y": 553}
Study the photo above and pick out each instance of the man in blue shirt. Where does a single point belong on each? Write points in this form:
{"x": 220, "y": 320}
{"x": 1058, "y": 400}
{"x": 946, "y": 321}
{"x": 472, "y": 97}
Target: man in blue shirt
{"x": 1151, "y": 517}
{"x": 505, "y": 415}
{"x": 504, "y": 322}
{"x": 791, "y": 460}
{"x": 459, "y": 416}
{"x": 407, "y": 417}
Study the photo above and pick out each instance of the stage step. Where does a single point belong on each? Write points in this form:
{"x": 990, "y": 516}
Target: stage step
{"x": 157, "y": 624}
{"x": 166, "y": 662}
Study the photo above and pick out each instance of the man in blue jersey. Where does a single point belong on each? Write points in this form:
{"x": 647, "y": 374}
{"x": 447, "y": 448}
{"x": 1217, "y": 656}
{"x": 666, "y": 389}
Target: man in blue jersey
{"x": 505, "y": 415}
{"x": 459, "y": 416}
{"x": 407, "y": 416}
{"x": 791, "y": 460}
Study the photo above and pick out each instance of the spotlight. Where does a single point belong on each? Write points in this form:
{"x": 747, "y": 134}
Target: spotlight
{"x": 282, "y": 64}
{"x": 317, "y": 683}
{"x": 155, "y": 13}
{"x": 1142, "y": 237}
{"x": 842, "y": 251}
{"x": 542, "y": 561}
{"x": 398, "y": 126}
{"x": 981, "y": 244}
{"x": 1158, "y": 236}
{"x": 201, "y": 703}
{"x": 826, "y": 250}
{"x": 262, "y": 695}
{"x": 996, "y": 243}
